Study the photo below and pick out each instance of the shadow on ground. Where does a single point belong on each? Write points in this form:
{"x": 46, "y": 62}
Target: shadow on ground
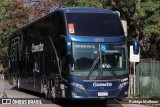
{"x": 89, "y": 103}
{"x": 75, "y": 103}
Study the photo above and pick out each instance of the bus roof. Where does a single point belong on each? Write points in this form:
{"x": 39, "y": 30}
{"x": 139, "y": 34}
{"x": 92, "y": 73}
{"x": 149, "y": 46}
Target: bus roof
{"x": 85, "y": 9}
{"x": 67, "y": 10}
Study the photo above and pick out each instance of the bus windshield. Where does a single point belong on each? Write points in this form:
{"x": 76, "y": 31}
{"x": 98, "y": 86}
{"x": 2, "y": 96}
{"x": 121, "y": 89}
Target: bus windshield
{"x": 94, "y": 24}
{"x": 98, "y": 60}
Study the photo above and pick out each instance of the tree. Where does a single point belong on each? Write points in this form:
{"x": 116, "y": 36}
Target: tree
{"x": 17, "y": 13}
{"x": 142, "y": 18}
{"x": 143, "y": 22}
{"x": 148, "y": 15}
{"x": 12, "y": 16}
{"x": 82, "y": 3}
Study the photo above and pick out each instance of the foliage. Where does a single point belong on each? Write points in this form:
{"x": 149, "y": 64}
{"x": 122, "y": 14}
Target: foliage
{"x": 40, "y": 8}
{"x": 82, "y": 3}
{"x": 12, "y": 16}
{"x": 15, "y": 14}
{"x": 142, "y": 17}
{"x": 143, "y": 23}
{"x": 154, "y": 94}
{"x": 139, "y": 95}
{"x": 149, "y": 21}
{"x": 7, "y": 1}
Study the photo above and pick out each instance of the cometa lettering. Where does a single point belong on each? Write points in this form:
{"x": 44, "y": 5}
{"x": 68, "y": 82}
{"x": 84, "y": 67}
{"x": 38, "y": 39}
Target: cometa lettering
{"x": 95, "y": 84}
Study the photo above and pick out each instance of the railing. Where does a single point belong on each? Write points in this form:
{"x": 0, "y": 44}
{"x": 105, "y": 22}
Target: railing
{"x": 148, "y": 78}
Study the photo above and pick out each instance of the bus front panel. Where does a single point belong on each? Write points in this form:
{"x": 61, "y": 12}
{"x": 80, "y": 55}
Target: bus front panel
{"x": 98, "y": 70}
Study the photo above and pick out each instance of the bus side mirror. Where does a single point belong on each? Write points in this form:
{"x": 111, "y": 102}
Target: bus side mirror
{"x": 135, "y": 46}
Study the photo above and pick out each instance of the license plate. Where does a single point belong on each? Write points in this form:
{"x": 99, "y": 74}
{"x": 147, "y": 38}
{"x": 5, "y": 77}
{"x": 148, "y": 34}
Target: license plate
{"x": 102, "y": 93}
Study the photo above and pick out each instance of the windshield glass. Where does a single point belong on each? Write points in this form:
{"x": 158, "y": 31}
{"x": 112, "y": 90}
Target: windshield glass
{"x": 94, "y": 24}
{"x": 98, "y": 60}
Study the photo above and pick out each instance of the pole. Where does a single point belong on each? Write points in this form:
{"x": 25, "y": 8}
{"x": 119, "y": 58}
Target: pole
{"x": 134, "y": 79}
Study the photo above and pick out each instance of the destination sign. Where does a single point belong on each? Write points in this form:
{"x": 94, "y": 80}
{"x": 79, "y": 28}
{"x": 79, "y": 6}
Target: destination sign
{"x": 84, "y": 46}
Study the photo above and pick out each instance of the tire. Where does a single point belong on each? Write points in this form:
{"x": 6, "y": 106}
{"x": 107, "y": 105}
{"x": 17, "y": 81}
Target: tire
{"x": 14, "y": 81}
{"x": 4, "y": 95}
{"x": 18, "y": 83}
{"x": 11, "y": 79}
{"x": 45, "y": 88}
{"x": 53, "y": 92}
{"x": 54, "y": 98}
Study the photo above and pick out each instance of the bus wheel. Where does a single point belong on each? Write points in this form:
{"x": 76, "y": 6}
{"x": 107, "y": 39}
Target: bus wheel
{"x": 18, "y": 83}
{"x": 14, "y": 79}
{"x": 44, "y": 89}
{"x": 53, "y": 92}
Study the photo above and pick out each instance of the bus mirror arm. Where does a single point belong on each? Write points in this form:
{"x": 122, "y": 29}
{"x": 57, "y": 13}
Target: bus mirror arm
{"x": 135, "y": 44}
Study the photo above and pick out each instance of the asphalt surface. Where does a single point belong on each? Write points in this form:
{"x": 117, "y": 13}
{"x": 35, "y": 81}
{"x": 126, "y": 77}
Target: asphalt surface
{"x": 12, "y": 92}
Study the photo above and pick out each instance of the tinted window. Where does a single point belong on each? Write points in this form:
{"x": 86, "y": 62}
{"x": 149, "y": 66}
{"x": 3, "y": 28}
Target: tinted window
{"x": 94, "y": 58}
{"x": 94, "y": 24}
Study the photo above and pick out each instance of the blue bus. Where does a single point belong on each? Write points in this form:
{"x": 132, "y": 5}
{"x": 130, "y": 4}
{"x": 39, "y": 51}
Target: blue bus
{"x": 73, "y": 53}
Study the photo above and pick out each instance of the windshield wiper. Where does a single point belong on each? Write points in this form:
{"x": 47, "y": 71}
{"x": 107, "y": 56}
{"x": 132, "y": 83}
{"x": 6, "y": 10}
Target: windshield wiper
{"x": 101, "y": 70}
{"x": 108, "y": 69}
{"x": 112, "y": 71}
{"x": 92, "y": 68}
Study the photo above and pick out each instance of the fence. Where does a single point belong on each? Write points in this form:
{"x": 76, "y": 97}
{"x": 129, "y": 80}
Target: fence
{"x": 148, "y": 78}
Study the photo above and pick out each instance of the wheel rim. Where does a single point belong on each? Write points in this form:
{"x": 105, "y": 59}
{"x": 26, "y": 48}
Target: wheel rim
{"x": 14, "y": 80}
{"x": 18, "y": 83}
{"x": 45, "y": 89}
{"x": 53, "y": 92}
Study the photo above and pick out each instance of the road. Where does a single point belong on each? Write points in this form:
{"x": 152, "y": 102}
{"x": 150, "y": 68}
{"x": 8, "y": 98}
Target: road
{"x": 14, "y": 93}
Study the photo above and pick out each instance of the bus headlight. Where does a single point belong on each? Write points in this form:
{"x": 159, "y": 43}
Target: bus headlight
{"x": 123, "y": 85}
{"x": 78, "y": 85}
